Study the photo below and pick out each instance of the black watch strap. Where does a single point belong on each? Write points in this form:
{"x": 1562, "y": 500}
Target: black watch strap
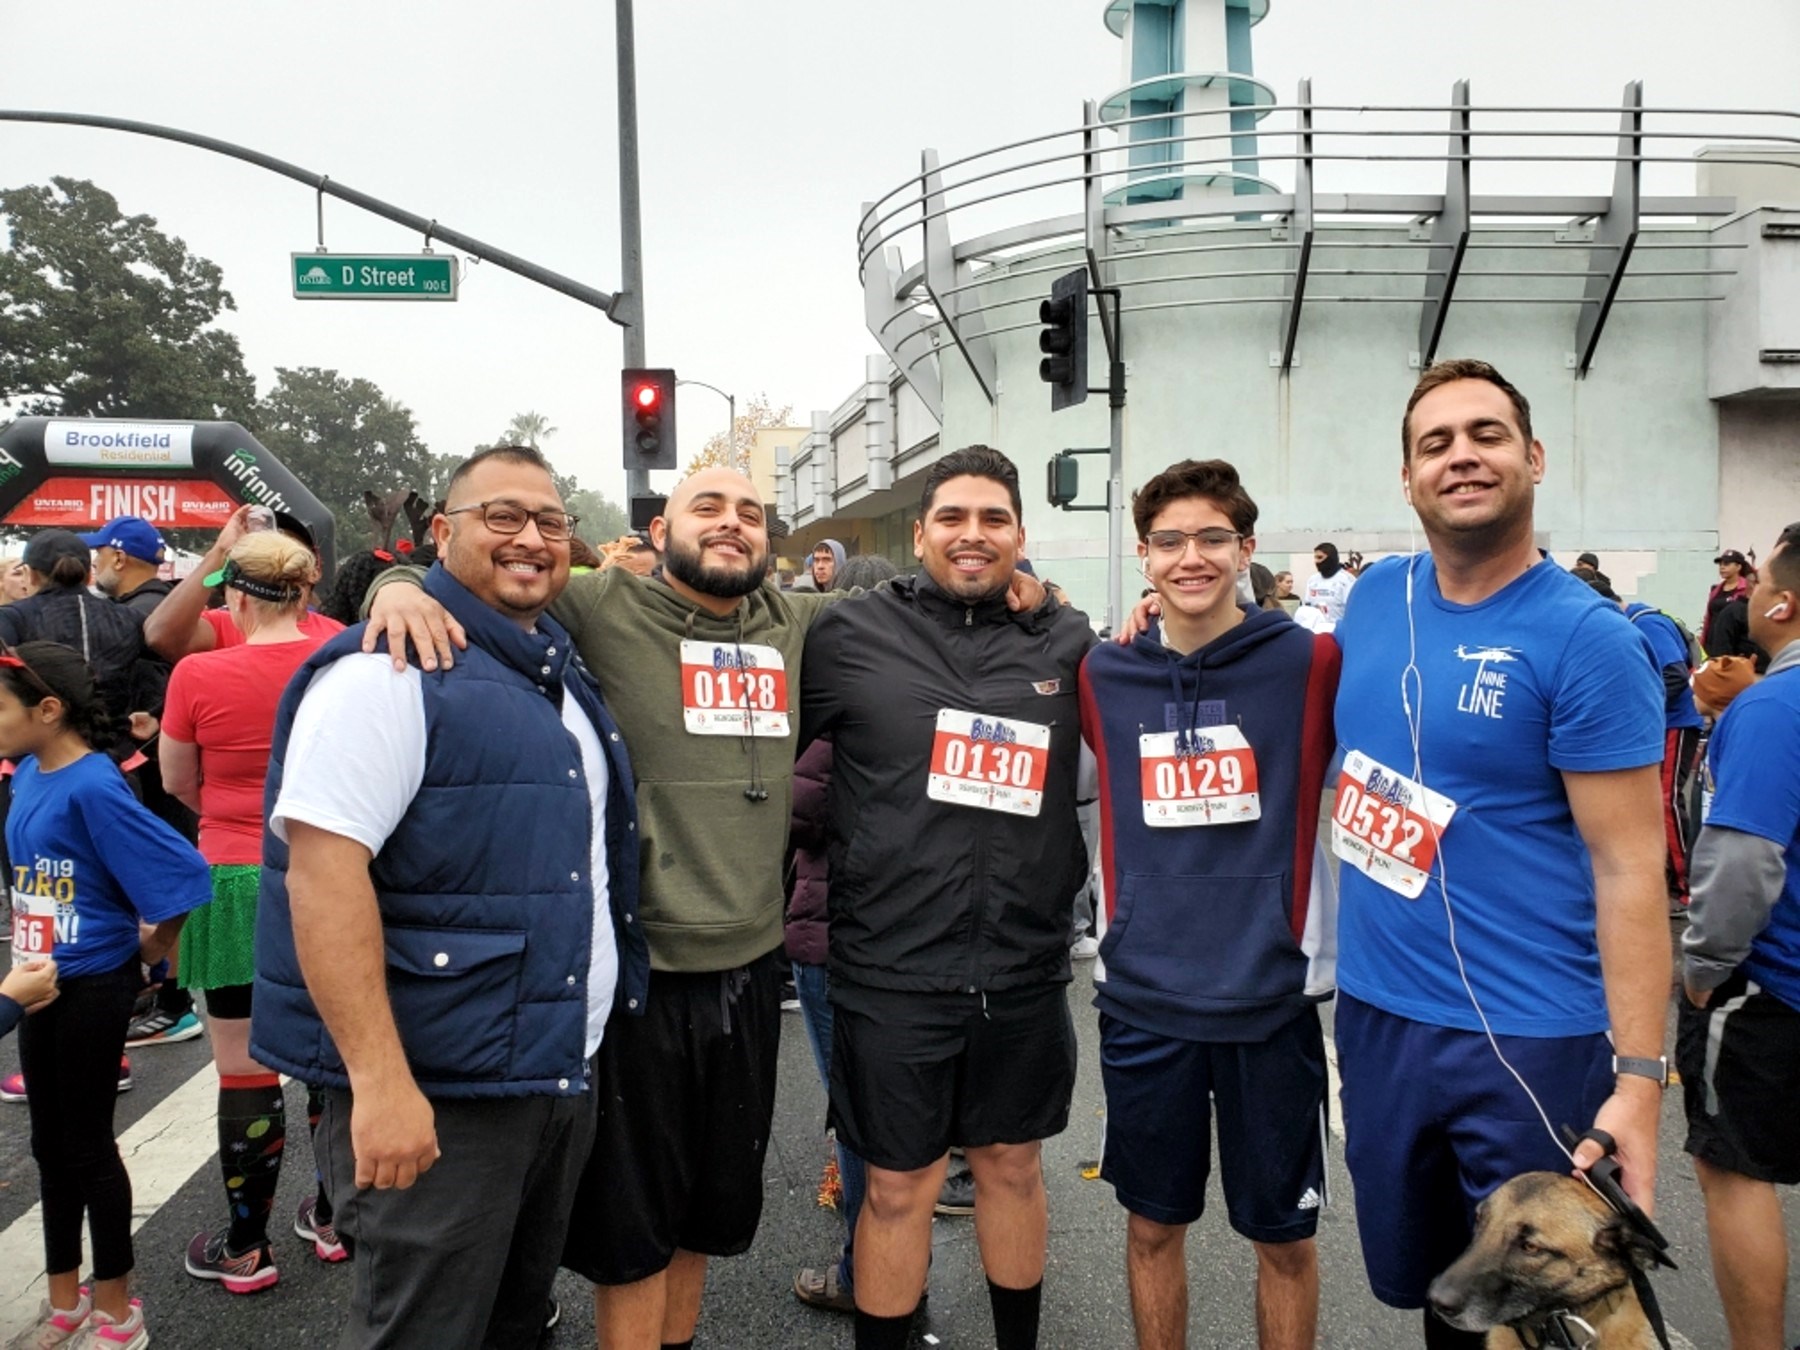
{"x": 1657, "y": 1070}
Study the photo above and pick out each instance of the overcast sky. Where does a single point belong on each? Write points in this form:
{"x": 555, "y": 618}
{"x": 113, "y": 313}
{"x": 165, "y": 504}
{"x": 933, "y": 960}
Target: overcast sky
{"x": 764, "y": 126}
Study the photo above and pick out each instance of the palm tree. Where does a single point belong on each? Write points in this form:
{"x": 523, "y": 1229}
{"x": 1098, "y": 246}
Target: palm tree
{"x": 528, "y": 428}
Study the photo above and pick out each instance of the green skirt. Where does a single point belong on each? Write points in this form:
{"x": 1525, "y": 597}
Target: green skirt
{"x": 218, "y": 941}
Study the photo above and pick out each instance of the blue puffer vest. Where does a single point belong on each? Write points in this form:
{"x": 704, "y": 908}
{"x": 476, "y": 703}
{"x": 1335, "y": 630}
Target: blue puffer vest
{"x": 484, "y": 887}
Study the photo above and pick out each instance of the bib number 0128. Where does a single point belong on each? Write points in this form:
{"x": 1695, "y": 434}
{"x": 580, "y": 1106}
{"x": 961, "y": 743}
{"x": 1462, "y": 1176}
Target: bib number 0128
{"x": 732, "y": 689}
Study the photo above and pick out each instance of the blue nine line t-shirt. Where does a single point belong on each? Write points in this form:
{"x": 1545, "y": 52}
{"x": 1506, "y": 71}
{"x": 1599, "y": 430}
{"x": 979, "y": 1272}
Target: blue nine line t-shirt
{"x": 1754, "y": 760}
{"x": 1540, "y": 678}
{"x": 78, "y": 838}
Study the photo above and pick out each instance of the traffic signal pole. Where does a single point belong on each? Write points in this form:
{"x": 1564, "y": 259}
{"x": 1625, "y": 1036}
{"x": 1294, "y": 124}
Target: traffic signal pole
{"x": 631, "y": 218}
{"x": 1115, "y": 474}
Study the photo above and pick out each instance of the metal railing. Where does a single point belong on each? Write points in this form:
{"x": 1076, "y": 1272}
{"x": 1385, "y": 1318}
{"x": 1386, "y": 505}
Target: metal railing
{"x": 925, "y": 289}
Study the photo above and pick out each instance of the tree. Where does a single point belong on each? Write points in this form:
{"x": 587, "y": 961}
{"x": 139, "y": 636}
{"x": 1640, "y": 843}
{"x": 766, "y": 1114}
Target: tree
{"x": 341, "y": 436}
{"x": 735, "y": 454}
{"x": 103, "y": 315}
{"x": 527, "y": 428}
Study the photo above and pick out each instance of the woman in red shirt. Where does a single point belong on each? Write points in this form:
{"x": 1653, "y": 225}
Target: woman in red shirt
{"x": 217, "y": 726}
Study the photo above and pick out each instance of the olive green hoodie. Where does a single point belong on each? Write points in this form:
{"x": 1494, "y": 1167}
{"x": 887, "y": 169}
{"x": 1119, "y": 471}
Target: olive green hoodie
{"x": 709, "y": 858}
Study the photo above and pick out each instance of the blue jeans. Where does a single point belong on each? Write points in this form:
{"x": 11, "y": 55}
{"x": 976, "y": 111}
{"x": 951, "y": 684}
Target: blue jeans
{"x": 815, "y": 1012}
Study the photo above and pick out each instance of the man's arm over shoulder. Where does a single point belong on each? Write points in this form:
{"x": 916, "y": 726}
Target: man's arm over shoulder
{"x": 580, "y": 604}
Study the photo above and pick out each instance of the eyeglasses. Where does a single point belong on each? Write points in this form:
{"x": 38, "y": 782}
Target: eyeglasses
{"x": 553, "y": 527}
{"x": 1173, "y": 543}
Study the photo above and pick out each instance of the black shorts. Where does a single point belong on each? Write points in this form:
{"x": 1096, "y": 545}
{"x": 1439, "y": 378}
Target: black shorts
{"x": 1739, "y": 1059}
{"x": 1161, "y": 1094}
{"x": 687, "y": 1093}
{"x": 914, "y": 1073}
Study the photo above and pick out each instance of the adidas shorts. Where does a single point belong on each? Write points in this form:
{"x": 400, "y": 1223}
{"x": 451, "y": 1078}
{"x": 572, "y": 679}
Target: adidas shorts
{"x": 1269, "y": 1097}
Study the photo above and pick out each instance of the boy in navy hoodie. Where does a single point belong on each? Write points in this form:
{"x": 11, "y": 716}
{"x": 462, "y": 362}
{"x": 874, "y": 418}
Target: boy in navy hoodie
{"x": 1213, "y": 731}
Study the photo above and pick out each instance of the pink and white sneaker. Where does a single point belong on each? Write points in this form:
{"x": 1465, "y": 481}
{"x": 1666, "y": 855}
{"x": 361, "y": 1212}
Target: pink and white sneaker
{"x": 53, "y": 1327}
{"x": 102, "y": 1333}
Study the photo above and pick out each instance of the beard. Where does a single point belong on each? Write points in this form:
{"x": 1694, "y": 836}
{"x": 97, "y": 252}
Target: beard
{"x": 724, "y": 583}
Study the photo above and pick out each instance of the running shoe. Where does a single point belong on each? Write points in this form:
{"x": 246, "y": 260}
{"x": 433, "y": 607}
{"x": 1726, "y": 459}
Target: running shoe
{"x": 958, "y": 1194}
{"x": 102, "y": 1333}
{"x": 243, "y": 1273}
{"x": 327, "y": 1246}
{"x": 1084, "y": 948}
{"x": 158, "y": 1027}
{"x": 51, "y": 1328}
{"x": 12, "y": 1087}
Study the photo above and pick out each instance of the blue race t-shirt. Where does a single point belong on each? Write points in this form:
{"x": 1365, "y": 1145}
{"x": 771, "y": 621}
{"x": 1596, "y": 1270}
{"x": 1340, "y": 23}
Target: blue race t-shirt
{"x": 1540, "y": 678}
{"x": 1754, "y": 761}
{"x": 78, "y": 837}
{"x": 1669, "y": 649}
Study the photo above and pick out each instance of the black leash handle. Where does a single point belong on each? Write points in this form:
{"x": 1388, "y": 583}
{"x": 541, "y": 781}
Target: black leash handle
{"x": 1604, "y": 1176}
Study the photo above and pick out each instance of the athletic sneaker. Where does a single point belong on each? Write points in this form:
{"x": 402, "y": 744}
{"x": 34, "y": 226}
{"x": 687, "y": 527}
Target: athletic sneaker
{"x": 102, "y": 1333}
{"x": 1084, "y": 948}
{"x": 244, "y": 1273}
{"x": 958, "y": 1194}
{"x": 51, "y": 1327}
{"x": 327, "y": 1246}
{"x": 12, "y": 1087}
{"x": 158, "y": 1027}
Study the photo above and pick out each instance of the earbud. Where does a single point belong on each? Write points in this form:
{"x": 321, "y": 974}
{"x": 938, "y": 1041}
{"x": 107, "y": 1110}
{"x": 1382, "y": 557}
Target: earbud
{"x": 1778, "y": 609}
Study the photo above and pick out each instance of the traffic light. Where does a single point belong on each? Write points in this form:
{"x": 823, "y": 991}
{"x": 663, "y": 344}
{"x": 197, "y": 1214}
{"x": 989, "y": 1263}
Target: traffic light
{"x": 1065, "y": 479}
{"x": 1064, "y": 340}
{"x": 649, "y": 419}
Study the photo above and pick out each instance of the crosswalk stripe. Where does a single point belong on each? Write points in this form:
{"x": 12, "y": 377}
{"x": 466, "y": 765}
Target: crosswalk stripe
{"x": 162, "y": 1151}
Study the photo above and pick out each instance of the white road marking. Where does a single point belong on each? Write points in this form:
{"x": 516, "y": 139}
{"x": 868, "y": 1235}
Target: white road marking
{"x": 1334, "y": 1088}
{"x": 162, "y": 1151}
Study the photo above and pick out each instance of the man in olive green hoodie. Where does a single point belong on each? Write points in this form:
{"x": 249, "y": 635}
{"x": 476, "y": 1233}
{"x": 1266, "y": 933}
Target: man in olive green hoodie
{"x": 701, "y": 670}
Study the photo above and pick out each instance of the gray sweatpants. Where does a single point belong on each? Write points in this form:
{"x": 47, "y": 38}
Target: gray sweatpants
{"x": 473, "y": 1243}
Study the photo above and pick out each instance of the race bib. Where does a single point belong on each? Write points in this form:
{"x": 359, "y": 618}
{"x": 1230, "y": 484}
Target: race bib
{"x": 33, "y": 927}
{"x": 1387, "y": 825}
{"x": 728, "y": 689}
{"x": 1209, "y": 781}
{"x": 994, "y": 763}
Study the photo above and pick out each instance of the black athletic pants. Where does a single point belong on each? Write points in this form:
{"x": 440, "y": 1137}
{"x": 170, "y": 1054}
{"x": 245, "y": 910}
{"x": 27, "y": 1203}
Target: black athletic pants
{"x": 70, "y": 1054}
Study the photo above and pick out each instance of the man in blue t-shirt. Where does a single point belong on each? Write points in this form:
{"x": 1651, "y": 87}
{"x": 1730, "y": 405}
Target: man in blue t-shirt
{"x": 1681, "y": 739}
{"x": 1501, "y": 853}
{"x": 1739, "y": 1042}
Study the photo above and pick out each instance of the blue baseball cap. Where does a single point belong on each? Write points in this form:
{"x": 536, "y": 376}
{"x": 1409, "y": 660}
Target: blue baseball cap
{"x": 131, "y": 535}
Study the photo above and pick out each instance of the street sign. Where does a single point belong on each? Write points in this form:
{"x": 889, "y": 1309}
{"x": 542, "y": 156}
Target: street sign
{"x": 384, "y": 276}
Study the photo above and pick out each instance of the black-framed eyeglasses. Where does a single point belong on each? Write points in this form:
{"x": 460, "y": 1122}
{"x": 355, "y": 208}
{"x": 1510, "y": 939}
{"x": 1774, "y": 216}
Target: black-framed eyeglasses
{"x": 1173, "y": 543}
{"x": 554, "y": 527}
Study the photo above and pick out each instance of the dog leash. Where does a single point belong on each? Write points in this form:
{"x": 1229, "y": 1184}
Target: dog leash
{"x": 1603, "y": 1176}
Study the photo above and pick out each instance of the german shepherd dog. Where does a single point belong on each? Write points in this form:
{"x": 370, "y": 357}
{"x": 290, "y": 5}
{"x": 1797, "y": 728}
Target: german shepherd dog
{"x": 1545, "y": 1244}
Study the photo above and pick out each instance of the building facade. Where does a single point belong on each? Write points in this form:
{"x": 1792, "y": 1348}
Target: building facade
{"x": 1635, "y": 272}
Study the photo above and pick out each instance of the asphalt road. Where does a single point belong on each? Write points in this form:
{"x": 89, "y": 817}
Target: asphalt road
{"x": 748, "y": 1299}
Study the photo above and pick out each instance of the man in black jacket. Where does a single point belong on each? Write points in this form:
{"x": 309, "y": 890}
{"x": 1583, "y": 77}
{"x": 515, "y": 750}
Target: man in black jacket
{"x": 954, "y": 849}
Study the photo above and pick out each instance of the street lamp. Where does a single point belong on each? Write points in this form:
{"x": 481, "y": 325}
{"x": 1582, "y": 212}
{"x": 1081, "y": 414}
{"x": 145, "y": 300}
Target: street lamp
{"x": 731, "y": 428}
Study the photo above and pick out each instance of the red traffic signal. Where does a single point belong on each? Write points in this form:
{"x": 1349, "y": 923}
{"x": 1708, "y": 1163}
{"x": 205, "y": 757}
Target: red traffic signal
{"x": 649, "y": 405}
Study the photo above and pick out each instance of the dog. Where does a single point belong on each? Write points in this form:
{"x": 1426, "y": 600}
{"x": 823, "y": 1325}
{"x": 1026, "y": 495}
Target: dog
{"x": 1545, "y": 1244}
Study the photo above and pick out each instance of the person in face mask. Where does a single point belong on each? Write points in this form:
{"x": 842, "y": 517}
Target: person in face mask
{"x": 1329, "y": 590}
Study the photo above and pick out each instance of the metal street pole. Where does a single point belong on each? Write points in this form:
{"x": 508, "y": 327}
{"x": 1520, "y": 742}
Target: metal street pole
{"x": 631, "y": 219}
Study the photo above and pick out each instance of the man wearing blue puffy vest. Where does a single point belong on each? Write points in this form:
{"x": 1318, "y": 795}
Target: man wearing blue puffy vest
{"x": 448, "y": 908}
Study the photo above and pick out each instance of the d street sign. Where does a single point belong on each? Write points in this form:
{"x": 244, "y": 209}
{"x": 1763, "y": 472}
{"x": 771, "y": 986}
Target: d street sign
{"x": 386, "y": 276}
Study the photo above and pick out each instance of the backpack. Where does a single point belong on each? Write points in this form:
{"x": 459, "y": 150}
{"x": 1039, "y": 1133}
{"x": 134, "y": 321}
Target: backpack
{"x": 1695, "y": 657}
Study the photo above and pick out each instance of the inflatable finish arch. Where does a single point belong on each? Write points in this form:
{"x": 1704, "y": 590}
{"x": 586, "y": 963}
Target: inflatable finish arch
{"x": 80, "y": 472}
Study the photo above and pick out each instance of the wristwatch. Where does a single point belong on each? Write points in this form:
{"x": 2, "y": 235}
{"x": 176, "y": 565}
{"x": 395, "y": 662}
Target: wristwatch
{"x": 1656, "y": 1070}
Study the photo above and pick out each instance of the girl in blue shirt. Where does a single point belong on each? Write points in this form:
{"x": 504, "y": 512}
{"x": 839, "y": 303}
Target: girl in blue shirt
{"x": 99, "y": 884}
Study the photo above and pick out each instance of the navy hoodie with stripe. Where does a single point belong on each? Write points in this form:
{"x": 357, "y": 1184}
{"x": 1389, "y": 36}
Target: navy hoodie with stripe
{"x": 1216, "y": 932}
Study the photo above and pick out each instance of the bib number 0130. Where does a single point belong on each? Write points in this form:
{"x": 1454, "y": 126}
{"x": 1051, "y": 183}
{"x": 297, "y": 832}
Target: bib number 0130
{"x": 991, "y": 763}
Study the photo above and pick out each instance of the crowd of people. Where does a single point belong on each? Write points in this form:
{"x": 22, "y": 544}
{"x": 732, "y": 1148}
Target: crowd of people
{"x": 511, "y": 876}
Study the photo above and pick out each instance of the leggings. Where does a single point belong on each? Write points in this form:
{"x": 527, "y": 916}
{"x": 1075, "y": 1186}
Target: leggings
{"x": 70, "y": 1054}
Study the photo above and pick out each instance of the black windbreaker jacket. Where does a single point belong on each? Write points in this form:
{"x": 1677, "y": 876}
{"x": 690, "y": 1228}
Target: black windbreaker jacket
{"x": 929, "y": 895}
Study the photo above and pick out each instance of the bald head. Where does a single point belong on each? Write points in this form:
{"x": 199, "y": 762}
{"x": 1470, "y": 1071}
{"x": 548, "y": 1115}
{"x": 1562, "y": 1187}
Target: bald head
{"x": 727, "y": 483}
